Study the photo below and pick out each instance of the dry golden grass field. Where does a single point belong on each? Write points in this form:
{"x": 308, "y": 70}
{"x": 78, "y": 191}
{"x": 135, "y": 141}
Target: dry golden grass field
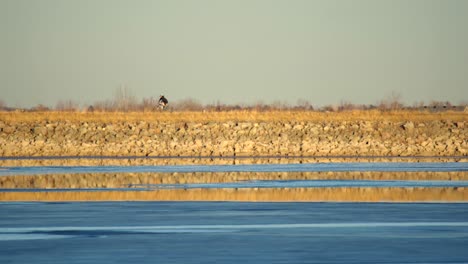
{"x": 267, "y": 116}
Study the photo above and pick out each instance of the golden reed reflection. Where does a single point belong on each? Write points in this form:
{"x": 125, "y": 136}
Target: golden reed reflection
{"x": 155, "y": 161}
{"x": 124, "y": 180}
{"x": 341, "y": 194}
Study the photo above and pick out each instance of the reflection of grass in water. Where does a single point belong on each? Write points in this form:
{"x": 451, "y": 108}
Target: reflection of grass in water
{"x": 119, "y": 180}
{"x": 268, "y": 116}
{"x": 124, "y": 161}
{"x": 365, "y": 194}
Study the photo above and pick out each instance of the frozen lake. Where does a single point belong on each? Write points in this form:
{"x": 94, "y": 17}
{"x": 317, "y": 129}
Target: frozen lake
{"x": 231, "y": 232}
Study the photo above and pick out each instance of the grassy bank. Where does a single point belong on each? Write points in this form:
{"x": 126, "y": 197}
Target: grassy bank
{"x": 248, "y": 116}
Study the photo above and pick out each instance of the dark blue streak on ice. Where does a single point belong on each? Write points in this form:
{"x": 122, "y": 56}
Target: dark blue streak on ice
{"x": 194, "y": 232}
{"x": 307, "y": 167}
{"x": 306, "y": 184}
{"x": 8, "y": 234}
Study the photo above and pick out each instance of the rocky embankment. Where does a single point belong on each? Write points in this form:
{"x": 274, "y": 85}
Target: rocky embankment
{"x": 231, "y": 138}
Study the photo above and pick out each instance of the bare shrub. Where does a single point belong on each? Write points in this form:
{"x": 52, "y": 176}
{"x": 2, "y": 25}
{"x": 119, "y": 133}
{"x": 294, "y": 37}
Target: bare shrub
{"x": 40, "y": 108}
{"x": 218, "y": 107}
{"x": 260, "y": 106}
{"x": 347, "y": 106}
{"x": 103, "y": 106}
{"x": 419, "y": 104}
{"x": 124, "y": 100}
{"x": 2, "y": 105}
{"x": 440, "y": 104}
{"x": 280, "y": 105}
{"x": 148, "y": 104}
{"x": 391, "y": 102}
{"x": 303, "y": 104}
{"x": 67, "y": 106}
{"x": 329, "y": 108}
{"x": 188, "y": 104}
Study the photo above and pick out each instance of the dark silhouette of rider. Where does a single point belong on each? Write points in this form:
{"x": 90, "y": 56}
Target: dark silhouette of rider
{"x": 163, "y": 101}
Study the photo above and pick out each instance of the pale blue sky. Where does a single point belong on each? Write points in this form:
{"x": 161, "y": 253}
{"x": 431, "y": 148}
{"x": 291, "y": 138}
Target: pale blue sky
{"x": 239, "y": 51}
